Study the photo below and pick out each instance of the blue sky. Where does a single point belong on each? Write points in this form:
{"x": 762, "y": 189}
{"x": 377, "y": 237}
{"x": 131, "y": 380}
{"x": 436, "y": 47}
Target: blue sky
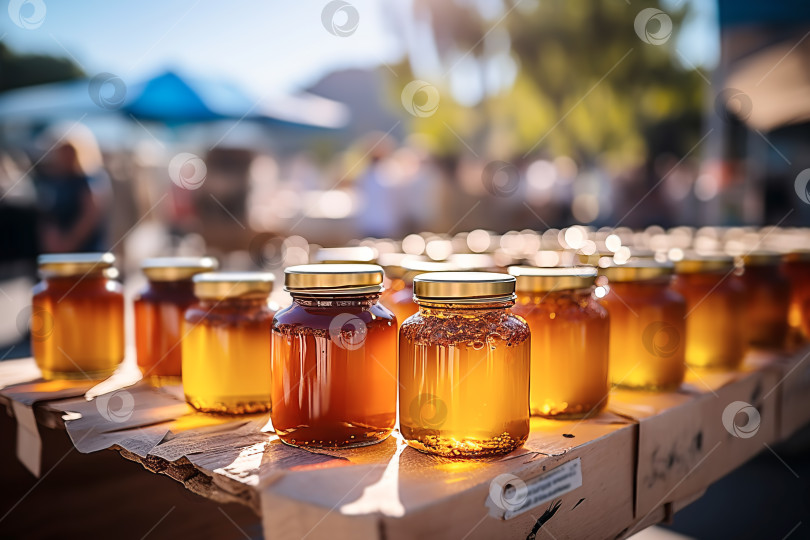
{"x": 268, "y": 47}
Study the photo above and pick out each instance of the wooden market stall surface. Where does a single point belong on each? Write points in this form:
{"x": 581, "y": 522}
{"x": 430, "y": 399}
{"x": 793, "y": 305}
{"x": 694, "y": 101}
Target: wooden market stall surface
{"x": 610, "y": 476}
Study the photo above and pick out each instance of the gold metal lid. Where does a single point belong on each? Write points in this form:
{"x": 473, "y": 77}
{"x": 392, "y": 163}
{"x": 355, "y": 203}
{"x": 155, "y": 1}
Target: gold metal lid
{"x": 638, "y": 270}
{"x": 330, "y": 279}
{"x": 799, "y": 255}
{"x": 221, "y": 285}
{"x": 759, "y": 258}
{"x": 533, "y": 279}
{"x": 346, "y": 255}
{"x": 694, "y": 263}
{"x": 74, "y": 264}
{"x": 177, "y": 268}
{"x": 464, "y": 287}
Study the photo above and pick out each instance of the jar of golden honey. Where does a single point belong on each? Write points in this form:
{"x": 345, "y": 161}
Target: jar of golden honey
{"x": 464, "y": 366}
{"x": 334, "y": 358}
{"x": 78, "y": 308}
{"x": 159, "y": 311}
{"x": 714, "y": 310}
{"x": 226, "y": 343}
{"x": 796, "y": 267}
{"x": 767, "y": 299}
{"x": 570, "y": 333}
{"x": 647, "y": 325}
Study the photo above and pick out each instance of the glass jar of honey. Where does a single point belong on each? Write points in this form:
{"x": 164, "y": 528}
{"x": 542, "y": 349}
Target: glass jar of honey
{"x": 77, "y": 316}
{"x": 647, "y": 325}
{"x": 159, "y": 311}
{"x": 570, "y": 333}
{"x": 334, "y": 358}
{"x": 226, "y": 343}
{"x": 796, "y": 267}
{"x": 714, "y": 310}
{"x": 464, "y": 366}
{"x": 767, "y": 299}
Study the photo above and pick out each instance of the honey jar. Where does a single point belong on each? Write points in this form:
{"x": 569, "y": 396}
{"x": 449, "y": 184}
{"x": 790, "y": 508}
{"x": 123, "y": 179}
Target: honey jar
{"x": 570, "y": 333}
{"x": 647, "y": 325}
{"x": 226, "y": 343}
{"x": 159, "y": 311}
{"x": 767, "y": 299}
{"x": 464, "y": 366}
{"x": 334, "y": 358}
{"x": 714, "y": 310}
{"x": 77, "y": 316}
{"x": 796, "y": 267}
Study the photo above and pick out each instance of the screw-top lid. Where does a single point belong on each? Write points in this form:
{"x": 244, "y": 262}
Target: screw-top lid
{"x": 333, "y": 279}
{"x": 532, "y": 279}
{"x": 74, "y": 264}
{"x": 638, "y": 270}
{"x": 346, "y": 255}
{"x": 760, "y": 258}
{"x": 222, "y": 285}
{"x": 464, "y": 287}
{"x": 177, "y": 268}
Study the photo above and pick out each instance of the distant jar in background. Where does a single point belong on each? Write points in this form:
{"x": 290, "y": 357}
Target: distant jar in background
{"x": 226, "y": 343}
{"x": 401, "y": 302}
{"x": 77, "y": 316}
{"x": 767, "y": 299}
{"x": 714, "y": 310}
{"x": 159, "y": 310}
{"x": 334, "y": 358}
{"x": 464, "y": 366}
{"x": 647, "y": 326}
{"x": 570, "y": 340}
{"x": 796, "y": 267}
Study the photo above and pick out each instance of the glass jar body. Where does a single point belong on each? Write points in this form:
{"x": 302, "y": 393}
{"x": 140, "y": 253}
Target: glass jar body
{"x": 766, "y": 304}
{"x": 78, "y": 326}
{"x": 714, "y": 322}
{"x": 334, "y": 371}
{"x": 647, "y": 334}
{"x": 159, "y": 311}
{"x": 570, "y": 347}
{"x": 798, "y": 274}
{"x": 464, "y": 380}
{"x": 226, "y": 355}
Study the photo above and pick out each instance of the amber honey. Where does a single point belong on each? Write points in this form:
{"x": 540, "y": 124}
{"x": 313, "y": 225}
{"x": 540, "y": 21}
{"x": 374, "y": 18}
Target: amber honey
{"x": 334, "y": 358}
{"x": 647, "y": 326}
{"x": 464, "y": 367}
{"x": 796, "y": 267}
{"x": 714, "y": 307}
{"x": 159, "y": 311}
{"x": 226, "y": 343}
{"x": 570, "y": 340}
{"x": 767, "y": 300}
{"x": 77, "y": 315}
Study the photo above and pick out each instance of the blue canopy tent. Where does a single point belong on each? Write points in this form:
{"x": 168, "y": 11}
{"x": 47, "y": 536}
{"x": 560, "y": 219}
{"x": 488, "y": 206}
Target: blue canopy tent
{"x": 168, "y": 98}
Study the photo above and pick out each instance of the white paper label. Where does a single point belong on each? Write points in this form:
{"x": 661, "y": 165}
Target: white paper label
{"x": 29, "y": 445}
{"x": 510, "y": 496}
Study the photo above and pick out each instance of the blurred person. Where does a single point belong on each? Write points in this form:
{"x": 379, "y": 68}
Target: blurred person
{"x": 73, "y": 191}
{"x": 381, "y": 216}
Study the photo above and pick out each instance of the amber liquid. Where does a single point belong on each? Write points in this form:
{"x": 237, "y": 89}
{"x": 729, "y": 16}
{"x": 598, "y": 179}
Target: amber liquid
{"x": 226, "y": 356}
{"x": 647, "y": 335}
{"x": 570, "y": 333}
{"x": 464, "y": 376}
{"x": 77, "y": 327}
{"x": 767, "y": 300}
{"x": 402, "y": 304}
{"x": 714, "y": 324}
{"x": 159, "y": 314}
{"x": 334, "y": 372}
{"x": 798, "y": 273}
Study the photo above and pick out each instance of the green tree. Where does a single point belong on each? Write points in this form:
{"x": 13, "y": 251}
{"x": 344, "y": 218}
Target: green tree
{"x": 19, "y": 70}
